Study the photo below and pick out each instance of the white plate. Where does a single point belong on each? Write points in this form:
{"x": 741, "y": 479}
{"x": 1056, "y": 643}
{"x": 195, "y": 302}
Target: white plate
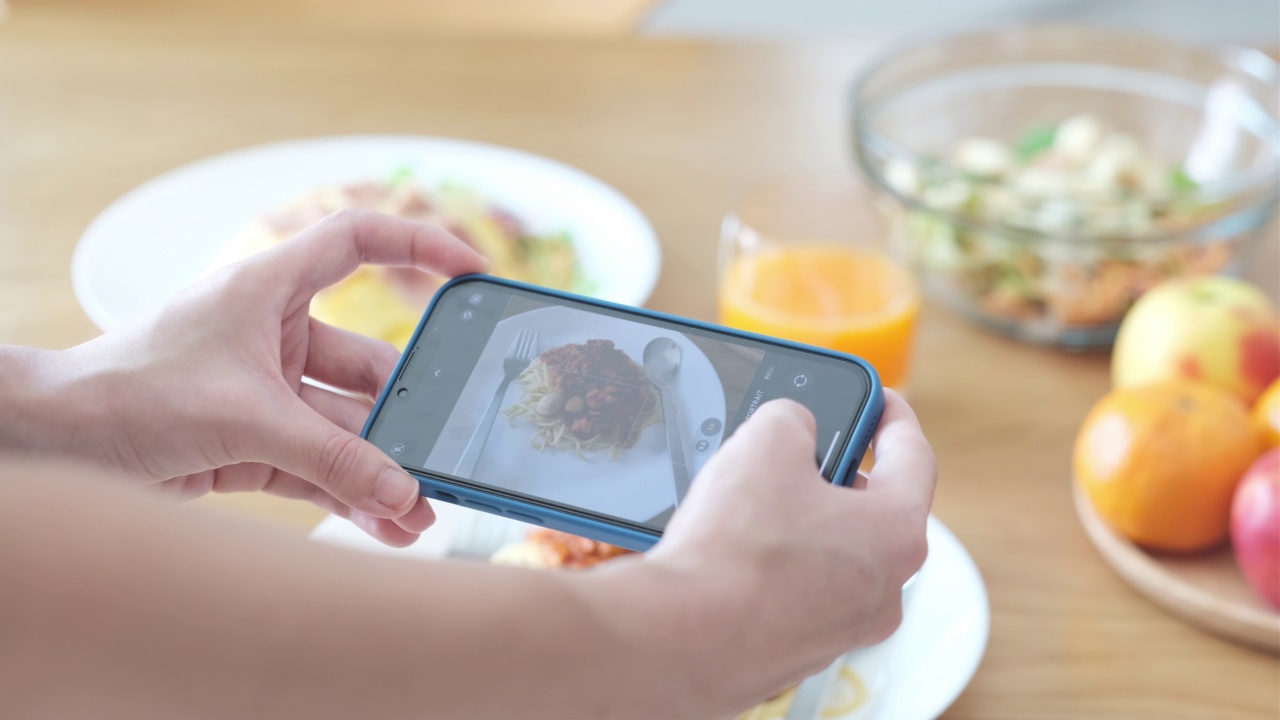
{"x": 164, "y": 234}
{"x": 936, "y": 651}
{"x": 915, "y": 675}
{"x": 639, "y": 484}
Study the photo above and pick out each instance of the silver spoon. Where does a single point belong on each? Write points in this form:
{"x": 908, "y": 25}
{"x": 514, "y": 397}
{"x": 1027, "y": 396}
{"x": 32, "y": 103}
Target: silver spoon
{"x": 662, "y": 364}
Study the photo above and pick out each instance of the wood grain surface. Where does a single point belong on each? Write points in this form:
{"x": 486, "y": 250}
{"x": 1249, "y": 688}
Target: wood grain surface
{"x": 1206, "y": 588}
{"x": 94, "y": 103}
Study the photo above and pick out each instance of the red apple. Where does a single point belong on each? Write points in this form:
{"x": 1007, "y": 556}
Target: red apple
{"x": 1214, "y": 329}
{"x": 1255, "y": 526}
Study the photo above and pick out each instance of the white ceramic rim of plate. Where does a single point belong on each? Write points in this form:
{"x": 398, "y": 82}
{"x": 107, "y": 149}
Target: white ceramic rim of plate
{"x": 641, "y": 272}
{"x": 952, "y": 555}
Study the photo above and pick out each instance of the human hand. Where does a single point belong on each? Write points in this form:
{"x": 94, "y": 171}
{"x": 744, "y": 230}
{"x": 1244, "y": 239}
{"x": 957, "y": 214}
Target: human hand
{"x": 207, "y": 395}
{"x": 789, "y": 571}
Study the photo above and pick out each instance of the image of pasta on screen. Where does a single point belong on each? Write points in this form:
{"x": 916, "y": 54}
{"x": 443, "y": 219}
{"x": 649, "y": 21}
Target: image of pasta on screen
{"x": 586, "y": 397}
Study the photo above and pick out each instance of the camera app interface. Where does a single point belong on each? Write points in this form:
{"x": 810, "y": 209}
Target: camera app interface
{"x": 592, "y": 409}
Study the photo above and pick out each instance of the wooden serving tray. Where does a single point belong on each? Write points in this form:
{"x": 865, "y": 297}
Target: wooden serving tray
{"x": 1206, "y": 590}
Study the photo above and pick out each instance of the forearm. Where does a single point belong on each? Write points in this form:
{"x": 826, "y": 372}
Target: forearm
{"x": 117, "y": 605}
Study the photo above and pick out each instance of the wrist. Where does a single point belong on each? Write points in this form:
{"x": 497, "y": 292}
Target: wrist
{"x": 49, "y": 402}
{"x": 685, "y": 627}
{"x": 25, "y": 396}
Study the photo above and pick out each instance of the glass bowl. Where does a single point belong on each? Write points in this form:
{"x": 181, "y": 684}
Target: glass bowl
{"x": 965, "y": 138}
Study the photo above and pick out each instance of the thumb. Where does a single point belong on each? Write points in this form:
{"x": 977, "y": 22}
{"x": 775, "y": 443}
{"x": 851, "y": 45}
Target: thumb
{"x": 781, "y": 434}
{"x": 779, "y": 426}
{"x": 346, "y": 466}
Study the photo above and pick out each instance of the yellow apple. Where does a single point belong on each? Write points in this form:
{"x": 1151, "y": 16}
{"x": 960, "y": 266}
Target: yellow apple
{"x": 1214, "y": 329}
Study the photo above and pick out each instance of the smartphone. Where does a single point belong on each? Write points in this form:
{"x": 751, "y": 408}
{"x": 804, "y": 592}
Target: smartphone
{"x": 595, "y": 418}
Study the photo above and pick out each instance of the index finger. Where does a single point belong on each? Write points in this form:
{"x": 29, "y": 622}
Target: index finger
{"x": 904, "y": 460}
{"x": 333, "y": 248}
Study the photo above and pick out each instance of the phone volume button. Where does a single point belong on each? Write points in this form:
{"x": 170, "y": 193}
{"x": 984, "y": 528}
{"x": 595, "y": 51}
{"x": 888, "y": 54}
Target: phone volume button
{"x": 482, "y": 507}
{"x": 530, "y": 519}
{"x": 405, "y": 366}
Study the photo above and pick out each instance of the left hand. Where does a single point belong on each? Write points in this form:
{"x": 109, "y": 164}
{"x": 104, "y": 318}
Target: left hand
{"x": 207, "y": 395}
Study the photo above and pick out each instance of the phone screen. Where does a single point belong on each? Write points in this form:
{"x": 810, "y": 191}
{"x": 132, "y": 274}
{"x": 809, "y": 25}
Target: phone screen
{"x": 595, "y": 410}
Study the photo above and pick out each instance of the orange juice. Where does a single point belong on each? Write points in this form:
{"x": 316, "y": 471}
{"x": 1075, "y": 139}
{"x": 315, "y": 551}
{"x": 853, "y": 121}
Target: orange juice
{"x": 849, "y": 299}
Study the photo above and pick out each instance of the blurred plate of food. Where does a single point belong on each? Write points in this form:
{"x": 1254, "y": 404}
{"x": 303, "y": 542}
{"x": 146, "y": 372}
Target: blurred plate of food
{"x": 539, "y": 221}
{"x": 915, "y": 675}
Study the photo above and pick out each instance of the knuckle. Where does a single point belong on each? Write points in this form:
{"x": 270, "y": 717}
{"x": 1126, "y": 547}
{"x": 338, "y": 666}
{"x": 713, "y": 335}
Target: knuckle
{"x": 381, "y": 363}
{"x": 347, "y": 216}
{"x": 884, "y": 616}
{"x": 426, "y": 240}
{"x": 817, "y": 664}
{"x": 917, "y": 551}
{"x": 339, "y": 227}
{"x": 337, "y": 234}
{"x": 338, "y": 459}
{"x": 888, "y": 619}
{"x": 909, "y": 547}
{"x": 912, "y": 510}
{"x": 229, "y": 284}
{"x": 389, "y": 353}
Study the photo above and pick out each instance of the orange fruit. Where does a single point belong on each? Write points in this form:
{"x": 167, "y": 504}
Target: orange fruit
{"x": 1266, "y": 413}
{"x": 854, "y": 300}
{"x": 1160, "y": 462}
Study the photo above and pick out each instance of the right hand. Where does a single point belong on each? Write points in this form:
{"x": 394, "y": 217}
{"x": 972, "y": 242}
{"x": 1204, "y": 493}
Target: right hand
{"x": 800, "y": 571}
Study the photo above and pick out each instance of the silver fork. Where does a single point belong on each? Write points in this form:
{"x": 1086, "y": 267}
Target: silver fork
{"x": 523, "y": 350}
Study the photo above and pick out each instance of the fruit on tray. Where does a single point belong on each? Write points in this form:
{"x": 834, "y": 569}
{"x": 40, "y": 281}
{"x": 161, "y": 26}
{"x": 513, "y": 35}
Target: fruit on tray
{"x": 1160, "y": 462}
{"x": 1255, "y": 526}
{"x": 1267, "y": 414}
{"x": 1217, "y": 329}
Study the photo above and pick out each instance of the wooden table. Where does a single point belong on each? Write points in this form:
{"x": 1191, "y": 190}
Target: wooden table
{"x": 92, "y": 105}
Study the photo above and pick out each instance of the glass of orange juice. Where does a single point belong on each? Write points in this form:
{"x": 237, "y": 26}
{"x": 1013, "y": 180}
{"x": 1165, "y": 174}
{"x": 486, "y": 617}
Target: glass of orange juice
{"x": 804, "y": 260}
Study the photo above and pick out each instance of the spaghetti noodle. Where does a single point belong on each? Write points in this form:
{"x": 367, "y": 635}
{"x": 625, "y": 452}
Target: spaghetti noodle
{"x": 587, "y": 398}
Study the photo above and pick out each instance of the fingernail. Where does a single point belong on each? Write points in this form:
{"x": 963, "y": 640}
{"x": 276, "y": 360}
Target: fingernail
{"x": 395, "y": 489}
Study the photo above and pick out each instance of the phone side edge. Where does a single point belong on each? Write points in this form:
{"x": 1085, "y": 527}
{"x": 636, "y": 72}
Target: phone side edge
{"x": 408, "y": 349}
{"x": 863, "y": 431}
{"x": 633, "y": 539}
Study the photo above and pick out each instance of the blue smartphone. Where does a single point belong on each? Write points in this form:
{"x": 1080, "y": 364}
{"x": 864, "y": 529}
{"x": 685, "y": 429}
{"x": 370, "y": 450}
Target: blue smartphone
{"x": 595, "y": 418}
